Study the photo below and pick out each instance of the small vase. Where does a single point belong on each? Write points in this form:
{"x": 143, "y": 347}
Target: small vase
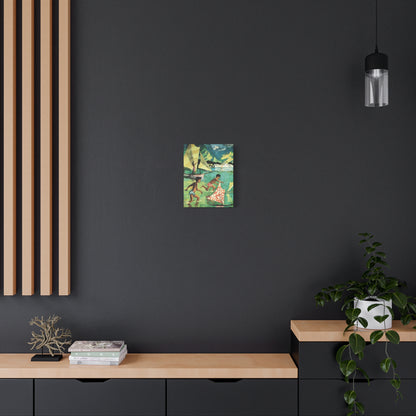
{"x": 377, "y": 311}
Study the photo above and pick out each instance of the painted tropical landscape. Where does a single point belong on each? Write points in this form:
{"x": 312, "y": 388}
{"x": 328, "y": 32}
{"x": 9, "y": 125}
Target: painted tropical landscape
{"x": 208, "y": 175}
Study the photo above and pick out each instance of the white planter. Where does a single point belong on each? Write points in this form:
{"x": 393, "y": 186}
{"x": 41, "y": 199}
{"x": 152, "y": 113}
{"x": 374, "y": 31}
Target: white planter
{"x": 369, "y": 316}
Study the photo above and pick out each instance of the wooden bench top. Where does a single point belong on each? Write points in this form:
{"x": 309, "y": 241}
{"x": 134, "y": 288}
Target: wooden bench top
{"x": 156, "y": 366}
{"x": 333, "y": 331}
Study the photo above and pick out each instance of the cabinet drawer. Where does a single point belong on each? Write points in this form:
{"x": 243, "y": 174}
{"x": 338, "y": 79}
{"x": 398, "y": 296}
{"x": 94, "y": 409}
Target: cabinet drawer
{"x": 16, "y": 397}
{"x": 317, "y": 359}
{"x": 232, "y": 397}
{"x": 91, "y": 397}
{"x": 325, "y": 398}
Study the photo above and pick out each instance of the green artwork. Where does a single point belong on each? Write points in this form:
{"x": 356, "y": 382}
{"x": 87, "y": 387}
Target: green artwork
{"x": 208, "y": 179}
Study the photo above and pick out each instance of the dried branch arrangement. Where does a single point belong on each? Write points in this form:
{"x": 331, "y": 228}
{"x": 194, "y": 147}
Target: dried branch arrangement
{"x": 50, "y": 337}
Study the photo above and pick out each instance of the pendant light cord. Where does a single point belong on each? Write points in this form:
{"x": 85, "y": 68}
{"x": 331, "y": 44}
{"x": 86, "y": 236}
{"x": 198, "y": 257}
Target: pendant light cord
{"x": 377, "y": 26}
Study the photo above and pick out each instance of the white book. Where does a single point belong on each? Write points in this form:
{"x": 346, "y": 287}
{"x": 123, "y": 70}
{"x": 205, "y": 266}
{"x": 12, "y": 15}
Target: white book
{"x": 97, "y": 360}
{"x": 79, "y": 357}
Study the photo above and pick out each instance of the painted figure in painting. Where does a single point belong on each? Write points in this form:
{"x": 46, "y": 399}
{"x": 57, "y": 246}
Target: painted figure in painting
{"x": 211, "y": 184}
{"x": 211, "y": 166}
{"x": 194, "y": 190}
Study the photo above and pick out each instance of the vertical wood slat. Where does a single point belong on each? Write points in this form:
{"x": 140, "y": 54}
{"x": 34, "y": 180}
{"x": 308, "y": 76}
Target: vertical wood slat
{"x": 64, "y": 147}
{"x": 46, "y": 147}
{"x": 28, "y": 132}
{"x": 9, "y": 162}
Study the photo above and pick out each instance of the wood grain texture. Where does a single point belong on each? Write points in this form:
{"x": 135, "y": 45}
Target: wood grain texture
{"x": 64, "y": 147}
{"x": 157, "y": 366}
{"x": 45, "y": 147}
{"x": 9, "y": 143}
{"x": 28, "y": 134}
{"x": 333, "y": 331}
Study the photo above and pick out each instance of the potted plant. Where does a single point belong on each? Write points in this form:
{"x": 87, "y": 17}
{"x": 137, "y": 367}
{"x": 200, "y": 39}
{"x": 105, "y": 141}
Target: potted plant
{"x": 368, "y": 303}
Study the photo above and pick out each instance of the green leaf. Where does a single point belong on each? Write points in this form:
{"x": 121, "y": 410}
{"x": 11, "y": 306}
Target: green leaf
{"x": 372, "y": 290}
{"x": 375, "y": 336}
{"x": 357, "y": 343}
{"x": 385, "y": 364}
{"x": 336, "y": 296}
{"x": 353, "y": 314}
{"x": 349, "y": 326}
{"x": 391, "y": 311}
{"x": 359, "y": 407}
{"x": 369, "y": 249}
{"x": 376, "y": 244}
{"x": 395, "y": 382}
{"x": 364, "y": 234}
{"x": 363, "y": 322}
{"x": 406, "y": 319}
{"x": 350, "y": 397}
{"x": 347, "y": 367}
{"x": 393, "y": 337}
{"x": 364, "y": 373}
{"x": 381, "y": 318}
{"x": 340, "y": 351}
{"x": 374, "y": 305}
{"x": 399, "y": 299}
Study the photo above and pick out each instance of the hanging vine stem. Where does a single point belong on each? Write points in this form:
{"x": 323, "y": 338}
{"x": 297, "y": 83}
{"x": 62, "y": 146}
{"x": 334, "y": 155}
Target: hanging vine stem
{"x": 374, "y": 286}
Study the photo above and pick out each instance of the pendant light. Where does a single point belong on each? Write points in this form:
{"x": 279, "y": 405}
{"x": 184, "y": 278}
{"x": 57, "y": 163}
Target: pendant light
{"x": 376, "y": 75}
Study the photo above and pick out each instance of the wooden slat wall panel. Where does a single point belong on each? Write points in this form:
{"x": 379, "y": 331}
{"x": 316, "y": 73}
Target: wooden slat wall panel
{"x": 64, "y": 146}
{"x": 9, "y": 165}
{"x": 46, "y": 147}
{"x": 28, "y": 132}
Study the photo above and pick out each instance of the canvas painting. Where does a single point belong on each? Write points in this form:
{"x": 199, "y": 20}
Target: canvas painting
{"x": 208, "y": 175}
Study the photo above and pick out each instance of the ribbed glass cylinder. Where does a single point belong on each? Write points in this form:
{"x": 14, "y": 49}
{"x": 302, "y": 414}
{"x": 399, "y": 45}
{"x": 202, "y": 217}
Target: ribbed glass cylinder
{"x": 376, "y": 88}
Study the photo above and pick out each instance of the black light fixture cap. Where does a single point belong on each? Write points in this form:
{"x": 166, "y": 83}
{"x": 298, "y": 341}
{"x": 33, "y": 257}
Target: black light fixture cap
{"x": 376, "y": 60}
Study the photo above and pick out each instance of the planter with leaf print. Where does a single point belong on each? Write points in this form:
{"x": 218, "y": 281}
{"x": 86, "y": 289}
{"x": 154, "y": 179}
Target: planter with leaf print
{"x": 375, "y": 311}
{"x": 370, "y": 303}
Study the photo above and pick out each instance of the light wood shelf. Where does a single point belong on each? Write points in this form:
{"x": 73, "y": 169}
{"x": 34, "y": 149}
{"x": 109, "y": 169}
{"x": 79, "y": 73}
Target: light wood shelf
{"x": 333, "y": 331}
{"x": 157, "y": 366}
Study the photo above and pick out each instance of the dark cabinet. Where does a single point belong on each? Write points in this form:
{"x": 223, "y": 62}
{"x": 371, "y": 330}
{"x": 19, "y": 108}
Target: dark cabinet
{"x": 95, "y": 397}
{"x": 325, "y": 398}
{"x": 321, "y": 386}
{"x": 317, "y": 359}
{"x": 16, "y": 397}
{"x": 226, "y": 397}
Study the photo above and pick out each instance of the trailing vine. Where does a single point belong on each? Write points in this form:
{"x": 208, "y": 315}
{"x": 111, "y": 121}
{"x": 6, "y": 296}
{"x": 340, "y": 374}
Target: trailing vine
{"x": 375, "y": 286}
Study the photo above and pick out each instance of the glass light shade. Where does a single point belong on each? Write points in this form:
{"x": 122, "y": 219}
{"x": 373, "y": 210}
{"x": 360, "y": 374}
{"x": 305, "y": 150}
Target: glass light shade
{"x": 376, "y": 87}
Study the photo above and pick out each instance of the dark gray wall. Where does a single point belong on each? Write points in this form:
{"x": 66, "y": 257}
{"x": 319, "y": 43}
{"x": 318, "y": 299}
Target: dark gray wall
{"x": 283, "y": 81}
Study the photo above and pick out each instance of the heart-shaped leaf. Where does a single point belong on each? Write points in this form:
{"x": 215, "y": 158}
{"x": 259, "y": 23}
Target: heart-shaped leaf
{"x": 395, "y": 383}
{"x": 347, "y": 367}
{"x": 381, "y": 318}
{"x": 353, "y": 314}
{"x": 374, "y": 305}
{"x": 385, "y": 364}
{"x": 350, "y": 397}
{"x": 393, "y": 337}
{"x": 399, "y": 299}
{"x": 340, "y": 351}
{"x": 357, "y": 343}
{"x": 375, "y": 336}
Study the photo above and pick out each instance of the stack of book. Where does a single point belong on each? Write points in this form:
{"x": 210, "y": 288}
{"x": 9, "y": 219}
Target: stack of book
{"x": 97, "y": 352}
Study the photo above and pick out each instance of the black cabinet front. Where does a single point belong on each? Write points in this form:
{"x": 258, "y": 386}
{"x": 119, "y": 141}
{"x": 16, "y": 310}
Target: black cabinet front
{"x": 325, "y": 398}
{"x": 227, "y": 397}
{"x": 317, "y": 359}
{"x": 16, "y": 397}
{"x": 99, "y": 397}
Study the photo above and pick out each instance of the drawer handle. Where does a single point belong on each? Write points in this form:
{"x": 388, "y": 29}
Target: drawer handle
{"x": 225, "y": 380}
{"x": 92, "y": 380}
